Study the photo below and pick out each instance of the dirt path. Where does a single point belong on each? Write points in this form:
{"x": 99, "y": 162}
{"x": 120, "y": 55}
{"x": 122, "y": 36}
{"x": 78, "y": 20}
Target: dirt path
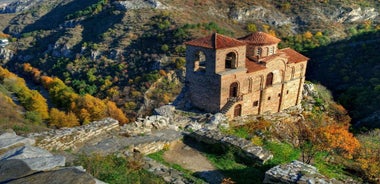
{"x": 191, "y": 159}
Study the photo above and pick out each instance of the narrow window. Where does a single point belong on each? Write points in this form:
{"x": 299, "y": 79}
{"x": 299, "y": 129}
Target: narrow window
{"x": 268, "y": 97}
{"x": 271, "y": 50}
{"x": 259, "y": 51}
{"x": 256, "y": 103}
{"x": 279, "y": 94}
{"x": 287, "y": 91}
{"x": 230, "y": 61}
{"x": 269, "y": 81}
{"x": 293, "y": 72}
{"x": 250, "y": 83}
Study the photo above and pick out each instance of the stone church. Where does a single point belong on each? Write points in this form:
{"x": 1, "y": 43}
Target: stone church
{"x": 245, "y": 76}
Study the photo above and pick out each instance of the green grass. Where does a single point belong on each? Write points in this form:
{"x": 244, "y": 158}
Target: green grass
{"x": 117, "y": 170}
{"x": 282, "y": 153}
{"x": 238, "y": 172}
{"x": 332, "y": 170}
{"x": 158, "y": 156}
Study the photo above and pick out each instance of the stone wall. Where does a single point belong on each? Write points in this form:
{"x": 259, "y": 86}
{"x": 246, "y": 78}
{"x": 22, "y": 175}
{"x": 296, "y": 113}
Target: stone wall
{"x": 244, "y": 149}
{"x": 71, "y": 138}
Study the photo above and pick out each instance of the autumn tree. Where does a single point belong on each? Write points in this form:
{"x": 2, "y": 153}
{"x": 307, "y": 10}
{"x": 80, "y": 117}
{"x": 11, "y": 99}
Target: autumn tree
{"x": 336, "y": 138}
{"x": 61, "y": 119}
{"x": 116, "y": 113}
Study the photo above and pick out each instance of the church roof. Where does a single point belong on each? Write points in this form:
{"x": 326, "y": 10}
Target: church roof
{"x": 215, "y": 41}
{"x": 294, "y": 56}
{"x": 253, "y": 66}
{"x": 260, "y": 38}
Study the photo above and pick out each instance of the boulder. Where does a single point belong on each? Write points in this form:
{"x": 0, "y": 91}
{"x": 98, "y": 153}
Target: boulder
{"x": 166, "y": 110}
{"x": 217, "y": 120}
{"x": 26, "y": 160}
{"x": 296, "y": 172}
{"x": 10, "y": 139}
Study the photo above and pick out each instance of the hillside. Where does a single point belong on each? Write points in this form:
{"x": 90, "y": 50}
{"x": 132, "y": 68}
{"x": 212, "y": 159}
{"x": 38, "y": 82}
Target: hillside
{"x": 118, "y": 50}
{"x": 351, "y": 69}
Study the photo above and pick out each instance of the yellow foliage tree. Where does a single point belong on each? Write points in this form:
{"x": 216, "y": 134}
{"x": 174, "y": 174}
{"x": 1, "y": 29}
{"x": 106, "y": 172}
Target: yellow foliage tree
{"x": 308, "y": 35}
{"x": 61, "y": 119}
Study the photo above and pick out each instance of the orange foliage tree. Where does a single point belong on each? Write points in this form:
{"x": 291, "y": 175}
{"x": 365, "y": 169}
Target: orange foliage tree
{"x": 336, "y": 138}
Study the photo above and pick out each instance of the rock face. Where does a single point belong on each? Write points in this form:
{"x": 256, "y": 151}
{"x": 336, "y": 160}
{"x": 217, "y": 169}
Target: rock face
{"x": 29, "y": 164}
{"x": 17, "y": 6}
{"x": 5, "y": 55}
{"x": 26, "y": 160}
{"x": 296, "y": 172}
{"x": 246, "y": 150}
{"x": 70, "y": 138}
{"x": 10, "y": 139}
{"x": 139, "y": 4}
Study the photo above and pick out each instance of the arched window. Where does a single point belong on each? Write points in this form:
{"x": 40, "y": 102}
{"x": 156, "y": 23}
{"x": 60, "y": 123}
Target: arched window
{"x": 200, "y": 61}
{"x": 230, "y": 60}
{"x": 234, "y": 89}
{"x": 250, "y": 84}
{"x": 237, "y": 110}
{"x": 269, "y": 81}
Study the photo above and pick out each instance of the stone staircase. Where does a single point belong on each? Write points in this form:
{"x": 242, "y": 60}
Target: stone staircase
{"x": 230, "y": 102}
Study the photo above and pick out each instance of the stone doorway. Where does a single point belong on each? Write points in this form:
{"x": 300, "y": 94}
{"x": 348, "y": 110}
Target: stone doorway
{"x": 237, "y": 110}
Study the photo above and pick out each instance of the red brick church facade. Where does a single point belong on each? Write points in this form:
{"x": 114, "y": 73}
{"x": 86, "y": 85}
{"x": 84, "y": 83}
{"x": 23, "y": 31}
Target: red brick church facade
{"x": 244, "y": 76}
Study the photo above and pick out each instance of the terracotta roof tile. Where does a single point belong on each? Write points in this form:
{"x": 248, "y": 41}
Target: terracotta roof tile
{"x": 260, "y": 38}
{"x": 215, "y": 41}
{"x": 252, "y": 66}
{"x": 294, "y": 56}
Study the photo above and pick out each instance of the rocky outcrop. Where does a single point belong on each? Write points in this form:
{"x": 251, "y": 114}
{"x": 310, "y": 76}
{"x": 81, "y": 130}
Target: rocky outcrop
{"x": 10, "y": 140}
{"x": 248, "y": 152}
{"x": 5, "y": 55}
{"x": 274, "y": 18}
{"x": 33, "y": 165}
{"x": 139, "y": 4}
{"x": 27, "y": 160}
{"x": 358, "y": 14}
{"x": 71, "y": 138}
{"x": 17, "y": 6}
{"x": 169, "y": 118}
{"x": 296, "y": 172}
